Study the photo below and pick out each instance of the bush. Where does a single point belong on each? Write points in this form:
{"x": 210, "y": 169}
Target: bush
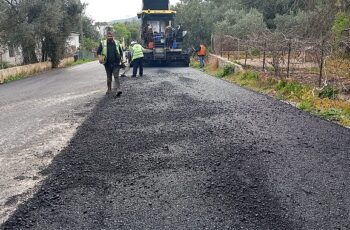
{"x": 289, "y": 87}
{"x": 328, "y": 92}
{"x": 291, "y": 90}
{"x": 220, "y": 73}
{"x": 229, "y": 69}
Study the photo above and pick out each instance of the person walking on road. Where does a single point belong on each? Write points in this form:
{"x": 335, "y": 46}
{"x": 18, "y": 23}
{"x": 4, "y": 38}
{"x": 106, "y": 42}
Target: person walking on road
{"x": 137, "y": 58}
{"x": 110, "y": 54}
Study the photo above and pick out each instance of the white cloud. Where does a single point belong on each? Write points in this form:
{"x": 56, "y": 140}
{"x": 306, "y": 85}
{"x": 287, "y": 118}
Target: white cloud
{"x": 108, "y": 10}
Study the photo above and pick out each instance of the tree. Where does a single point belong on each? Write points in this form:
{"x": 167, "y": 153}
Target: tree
{"x": 197, "y": 18}
{"x": 241, "y": 24}
{"x": 88, "y": 29}
{"x": 31, "y": 24}
{"x": 89, "y": 44}
{"x": 121, "y": 31}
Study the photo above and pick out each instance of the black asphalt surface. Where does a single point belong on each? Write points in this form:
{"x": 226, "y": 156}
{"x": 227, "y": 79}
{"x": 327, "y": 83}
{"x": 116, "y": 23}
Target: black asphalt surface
{"x": 183, "y": 150}
{"x": 38, "y": 117}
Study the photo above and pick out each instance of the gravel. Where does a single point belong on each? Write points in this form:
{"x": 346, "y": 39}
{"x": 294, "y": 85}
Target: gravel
{"x": 183, "y": 150}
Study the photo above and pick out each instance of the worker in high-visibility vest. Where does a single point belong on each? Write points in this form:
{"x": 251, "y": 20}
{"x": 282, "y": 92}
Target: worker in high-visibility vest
{"x": 110, "y": 54}
{"x": 201, "y": 52}
{"x": 137, "y": 58}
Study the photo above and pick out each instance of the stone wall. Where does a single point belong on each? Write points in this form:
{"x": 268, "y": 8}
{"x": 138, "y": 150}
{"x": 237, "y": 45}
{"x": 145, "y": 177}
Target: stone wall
{"x": 216, "y": 61}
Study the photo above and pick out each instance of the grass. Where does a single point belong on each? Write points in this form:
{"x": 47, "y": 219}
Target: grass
{"x": 79, "y": 62}
{"x": 20, "y": 76}
{"x": 195, "y": 64}
{"x": 14, "y": 78}
{"x": 322, "y": 103}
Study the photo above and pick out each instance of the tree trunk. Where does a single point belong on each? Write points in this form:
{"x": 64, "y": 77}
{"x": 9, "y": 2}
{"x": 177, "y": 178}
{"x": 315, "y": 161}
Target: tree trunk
{"x": 28, "y": 53}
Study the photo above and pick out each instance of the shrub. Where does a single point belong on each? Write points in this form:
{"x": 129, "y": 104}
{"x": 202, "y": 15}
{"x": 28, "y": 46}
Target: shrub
{"x": 229, "y": 69}
{"x": 220, "y": 73}
{"x": 328, "y": 92}
{"x": 289, "y": 87}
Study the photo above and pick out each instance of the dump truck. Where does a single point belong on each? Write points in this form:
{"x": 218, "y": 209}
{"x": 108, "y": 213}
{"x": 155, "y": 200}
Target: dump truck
{"x": 161, "y": 39}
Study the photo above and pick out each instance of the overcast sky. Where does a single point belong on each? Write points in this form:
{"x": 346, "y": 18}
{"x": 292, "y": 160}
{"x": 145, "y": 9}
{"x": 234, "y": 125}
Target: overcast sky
{"x": 108, "y": 10}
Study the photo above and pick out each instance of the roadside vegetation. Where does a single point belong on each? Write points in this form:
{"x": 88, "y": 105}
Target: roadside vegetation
{"x": 25, "y": 73}
{"x": 296, "y": 51}
{"x": 323, "y": 102}
{"x": 283, "y": 39}
{"x": 80, "y": 61}
{"x": 13, "y": 78}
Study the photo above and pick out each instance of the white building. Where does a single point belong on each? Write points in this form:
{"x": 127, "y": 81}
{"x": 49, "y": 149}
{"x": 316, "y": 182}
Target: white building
{"x": 13, "y": 55}
{"x": 10, "y": 55}
{"x": 73, "y": 41}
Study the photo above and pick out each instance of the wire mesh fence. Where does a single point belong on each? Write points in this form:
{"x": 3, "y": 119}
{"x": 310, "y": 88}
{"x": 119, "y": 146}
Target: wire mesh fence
{"x": 309, "y": 61}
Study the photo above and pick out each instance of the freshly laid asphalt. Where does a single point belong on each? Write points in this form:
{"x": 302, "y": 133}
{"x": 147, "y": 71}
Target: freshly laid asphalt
{"x": 183, "y": 150}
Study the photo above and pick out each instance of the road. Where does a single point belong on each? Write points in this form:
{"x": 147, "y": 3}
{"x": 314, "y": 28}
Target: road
{"x": 179, "y": 150}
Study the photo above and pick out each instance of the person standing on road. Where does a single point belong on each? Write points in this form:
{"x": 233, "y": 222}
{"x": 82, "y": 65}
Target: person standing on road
{"x": 110, "y": 54}
{"x": 137, "y": 58}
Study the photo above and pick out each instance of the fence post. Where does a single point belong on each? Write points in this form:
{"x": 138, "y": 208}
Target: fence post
{"x": 289, "y": 53}
{"x": 246, "y": 57}
{"x": 2, "y": 64}
{"x": 264, "y": 56}
{"x": 321, "y": 63}
{"x": 221, "y": 41}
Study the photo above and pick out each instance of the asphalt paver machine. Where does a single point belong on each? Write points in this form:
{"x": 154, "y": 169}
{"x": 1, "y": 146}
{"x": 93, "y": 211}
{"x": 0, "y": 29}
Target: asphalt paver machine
{"x": 162, "y": 40}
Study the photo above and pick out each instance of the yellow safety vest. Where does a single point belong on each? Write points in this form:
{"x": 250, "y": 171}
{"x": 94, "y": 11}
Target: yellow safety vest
{"x": 137, "y": 51}
{"x": 104, "y": 50}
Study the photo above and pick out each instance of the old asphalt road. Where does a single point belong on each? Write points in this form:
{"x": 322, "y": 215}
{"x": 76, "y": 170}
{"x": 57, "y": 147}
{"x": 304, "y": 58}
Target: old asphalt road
{"x": 178, "y": 150}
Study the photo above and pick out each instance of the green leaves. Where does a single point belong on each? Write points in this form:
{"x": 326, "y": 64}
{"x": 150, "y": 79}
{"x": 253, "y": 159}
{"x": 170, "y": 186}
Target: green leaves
{"x": 40, "y": 23}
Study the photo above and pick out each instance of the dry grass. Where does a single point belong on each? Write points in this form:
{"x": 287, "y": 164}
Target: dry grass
{"x": 304, "y": 96}
{"x": 18, "y": 72}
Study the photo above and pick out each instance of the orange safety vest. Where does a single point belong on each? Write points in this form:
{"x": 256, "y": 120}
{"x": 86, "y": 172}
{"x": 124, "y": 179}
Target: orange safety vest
{"x": 202, "y": 51}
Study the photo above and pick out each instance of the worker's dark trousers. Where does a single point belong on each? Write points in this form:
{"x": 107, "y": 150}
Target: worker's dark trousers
{"x": 113, "y": 70}
{"x": 201, "y": 61}
{"x": 137, "y": 63}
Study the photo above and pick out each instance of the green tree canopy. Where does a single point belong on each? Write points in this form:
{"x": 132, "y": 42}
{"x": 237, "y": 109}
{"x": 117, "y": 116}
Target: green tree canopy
{"x": 31, "y": 24}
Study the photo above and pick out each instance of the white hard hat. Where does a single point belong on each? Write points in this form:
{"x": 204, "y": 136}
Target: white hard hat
{"x": 133, "y": 43}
